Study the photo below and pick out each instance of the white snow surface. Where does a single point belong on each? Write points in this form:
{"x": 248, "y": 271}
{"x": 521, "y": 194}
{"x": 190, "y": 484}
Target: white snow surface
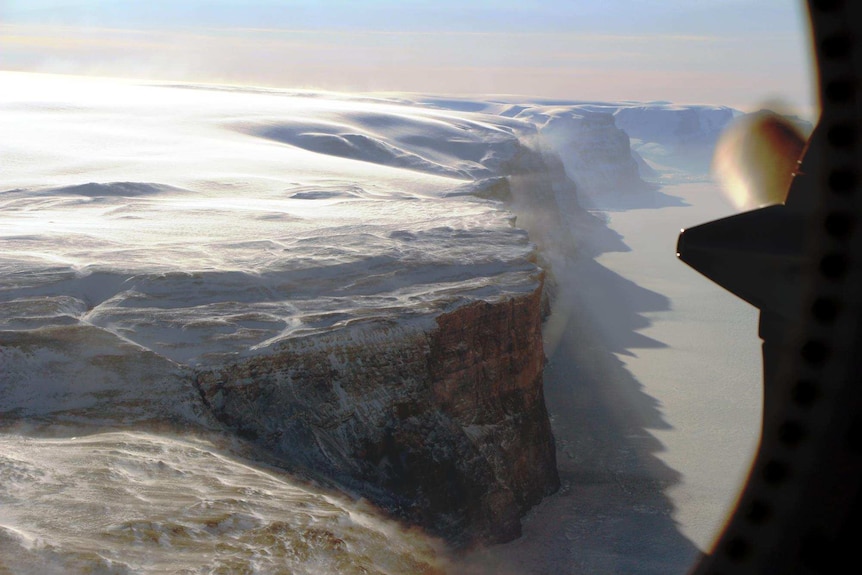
{"x": 211, "y": 223}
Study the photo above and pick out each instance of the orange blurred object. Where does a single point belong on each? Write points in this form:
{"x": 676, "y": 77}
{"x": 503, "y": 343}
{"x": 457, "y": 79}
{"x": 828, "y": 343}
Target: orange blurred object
{"x": 755, "y": 159}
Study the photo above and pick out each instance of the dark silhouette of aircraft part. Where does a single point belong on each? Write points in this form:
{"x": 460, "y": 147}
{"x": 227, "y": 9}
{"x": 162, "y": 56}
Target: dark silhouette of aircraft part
{"x": 760, "y": 256}
{"x": 801, "y": 508}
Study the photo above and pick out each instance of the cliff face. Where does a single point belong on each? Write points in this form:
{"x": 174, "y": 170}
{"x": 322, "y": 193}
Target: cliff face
{"x": 439, "y": 419}
{"x": 595, "y": 152}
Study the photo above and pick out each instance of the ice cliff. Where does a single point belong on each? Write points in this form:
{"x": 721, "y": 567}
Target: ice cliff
{"x": 355, "y": 284}
{"x": 674, "y": 136}
{"x": 595, "y": 152}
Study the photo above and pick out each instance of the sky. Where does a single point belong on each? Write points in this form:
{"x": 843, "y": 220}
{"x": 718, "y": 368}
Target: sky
{"x": 741, "y": 53}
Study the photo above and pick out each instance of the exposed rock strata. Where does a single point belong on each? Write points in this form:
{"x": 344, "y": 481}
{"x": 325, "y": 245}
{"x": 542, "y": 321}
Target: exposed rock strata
{"x": 441, "y": 420}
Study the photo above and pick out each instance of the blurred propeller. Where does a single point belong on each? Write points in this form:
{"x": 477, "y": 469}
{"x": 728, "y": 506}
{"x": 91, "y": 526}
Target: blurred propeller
{"x": 756, "y": 157}
{"x": 759, "y": 255}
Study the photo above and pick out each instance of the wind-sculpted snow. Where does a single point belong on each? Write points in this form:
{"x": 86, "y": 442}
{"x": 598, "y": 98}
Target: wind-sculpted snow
{"x": 355, "y": 147}
{"x": 194, "y": 277}
{"x": 450, "y": 147}
{"x": 135, "y": 502}
{"x": 666, "y": 138}
{"x": 354, "y": 284}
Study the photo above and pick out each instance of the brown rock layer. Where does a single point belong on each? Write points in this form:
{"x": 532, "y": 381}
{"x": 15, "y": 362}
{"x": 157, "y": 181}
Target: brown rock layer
{"x": 440, "y": 420}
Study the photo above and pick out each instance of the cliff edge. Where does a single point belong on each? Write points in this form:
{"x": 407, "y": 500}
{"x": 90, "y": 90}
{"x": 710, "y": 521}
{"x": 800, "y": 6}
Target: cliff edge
{"x": 440, "y": 419}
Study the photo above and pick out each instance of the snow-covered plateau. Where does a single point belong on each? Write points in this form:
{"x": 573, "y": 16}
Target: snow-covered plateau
{"x": 230, "y": 317}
